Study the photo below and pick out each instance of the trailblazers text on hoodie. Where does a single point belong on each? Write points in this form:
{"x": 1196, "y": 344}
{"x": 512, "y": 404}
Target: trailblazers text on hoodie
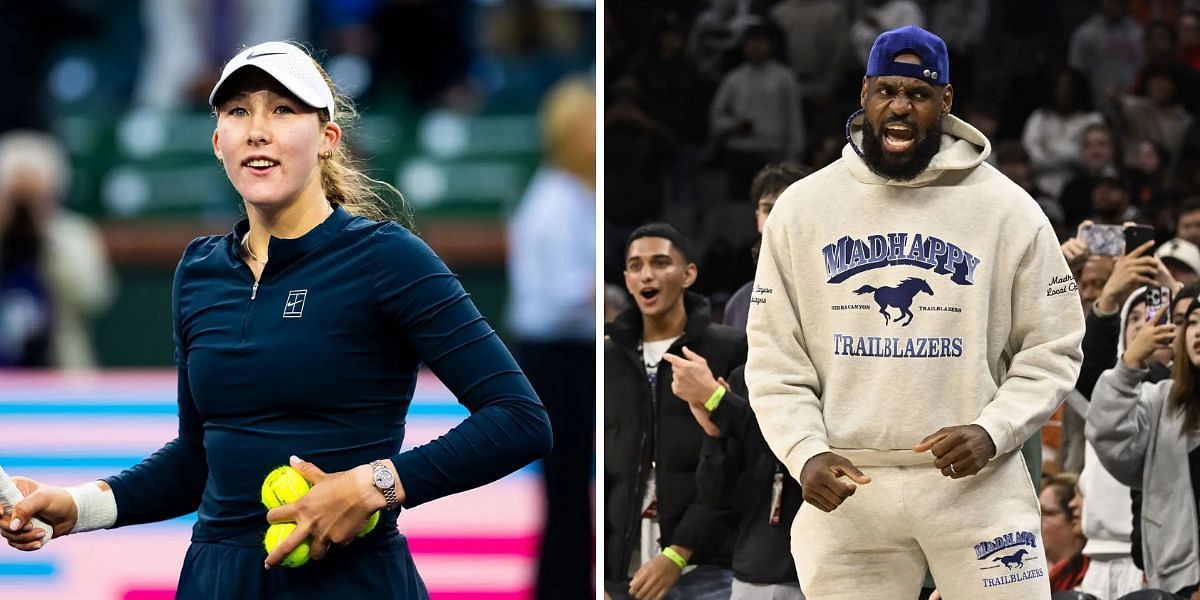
{"x": 884, "y": 310}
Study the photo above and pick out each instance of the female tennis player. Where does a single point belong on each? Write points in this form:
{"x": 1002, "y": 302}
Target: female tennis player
{"x": 299, "y": 334}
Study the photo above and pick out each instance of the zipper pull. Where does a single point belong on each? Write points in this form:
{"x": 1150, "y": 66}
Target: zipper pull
{"x": 254, "y": 291}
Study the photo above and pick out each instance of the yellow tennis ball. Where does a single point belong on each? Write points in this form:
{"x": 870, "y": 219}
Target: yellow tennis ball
{"x": 283, "y": 486}
{"x": 279, "y": 532}
{"x": 371, "y": 523}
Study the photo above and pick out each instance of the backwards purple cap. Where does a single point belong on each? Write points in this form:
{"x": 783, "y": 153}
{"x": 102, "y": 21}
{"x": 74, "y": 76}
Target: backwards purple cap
{"x": 935, "y": 60}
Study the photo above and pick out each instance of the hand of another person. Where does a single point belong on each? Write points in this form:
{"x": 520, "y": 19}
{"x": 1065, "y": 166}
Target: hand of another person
{"x": 821, "y": 480}
{"x": 960, "y": 451}
{"x": 1129, "y": 272}
{"x": 1155, "y": 335}
{"x": 654, "y": 580}
{"x": 51, "y": 504}
{"x": 1165, "y": 278}
{"x": 691, "y": 379}
{"x": 1076, "y": 252}
{"x": 334, "y": 511}
{"x": 693, "y": 382}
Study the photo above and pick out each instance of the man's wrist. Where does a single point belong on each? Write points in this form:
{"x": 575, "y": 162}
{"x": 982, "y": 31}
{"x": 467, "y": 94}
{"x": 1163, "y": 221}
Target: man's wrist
{"x": 1106, "y": 307}
{"x": 683, "y": 551}
{"x": 714, "y": 400}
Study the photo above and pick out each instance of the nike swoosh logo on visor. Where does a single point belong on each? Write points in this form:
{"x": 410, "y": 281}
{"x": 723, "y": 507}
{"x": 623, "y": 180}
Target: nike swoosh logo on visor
{"x": 254, "y": 55}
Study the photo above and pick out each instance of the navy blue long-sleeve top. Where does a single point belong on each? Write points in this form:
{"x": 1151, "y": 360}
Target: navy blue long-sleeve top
{"x": 320, "y": 360}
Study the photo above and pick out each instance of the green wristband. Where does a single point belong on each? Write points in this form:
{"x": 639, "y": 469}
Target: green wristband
{"x": 670, "y": 553}
{"x": 715, "y": 399}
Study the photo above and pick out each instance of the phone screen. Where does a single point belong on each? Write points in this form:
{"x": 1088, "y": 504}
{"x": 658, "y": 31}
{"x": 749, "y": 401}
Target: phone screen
{"x": 1103, "y": 240}
{"x": 1158, "y": 297}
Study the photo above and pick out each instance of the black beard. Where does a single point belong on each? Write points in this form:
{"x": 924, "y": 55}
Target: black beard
{"x": 924, "y": 150}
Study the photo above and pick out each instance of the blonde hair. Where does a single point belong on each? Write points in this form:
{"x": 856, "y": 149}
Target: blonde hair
{"x": 342, "y": 176}
{"x": 568, "y": 108}
{"x": 29, "y": 151}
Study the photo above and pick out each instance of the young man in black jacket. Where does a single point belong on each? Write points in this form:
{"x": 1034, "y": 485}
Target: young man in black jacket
{"x": 738, "y": 467}
{"x": 660, "y": 540}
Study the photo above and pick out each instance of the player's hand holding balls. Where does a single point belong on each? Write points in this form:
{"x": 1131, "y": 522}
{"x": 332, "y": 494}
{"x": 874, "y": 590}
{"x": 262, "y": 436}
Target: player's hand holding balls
{"x": 821, "y": 480}
{"x": 317, "y": 510}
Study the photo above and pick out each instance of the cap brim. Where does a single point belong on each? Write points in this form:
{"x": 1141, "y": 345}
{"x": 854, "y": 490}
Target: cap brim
{"x": 285, "y": 63}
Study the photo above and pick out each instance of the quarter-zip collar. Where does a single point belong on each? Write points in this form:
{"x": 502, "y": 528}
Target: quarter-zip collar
{"x": 283, "y": 252}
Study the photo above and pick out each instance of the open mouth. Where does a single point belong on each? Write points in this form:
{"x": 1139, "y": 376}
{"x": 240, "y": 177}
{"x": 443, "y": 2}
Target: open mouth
{"x": 649, "y": 295}
{"x": 898, "y": 137}
{"x": 260, "y": 165}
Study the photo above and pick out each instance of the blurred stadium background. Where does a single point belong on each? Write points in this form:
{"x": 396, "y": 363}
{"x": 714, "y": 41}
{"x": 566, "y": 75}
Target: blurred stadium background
{"x": 448, "y": 91}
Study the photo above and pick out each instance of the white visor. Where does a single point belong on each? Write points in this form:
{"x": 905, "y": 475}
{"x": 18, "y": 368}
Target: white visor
{"x": 288, "y": 64}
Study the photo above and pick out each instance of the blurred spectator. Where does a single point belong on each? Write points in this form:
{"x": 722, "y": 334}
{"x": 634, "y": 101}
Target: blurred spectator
{"x": 878, "y": 16}
{"x": 1152, "y": 191}
{"x": 826, "y": 151}
{"x": 673, "y": 93}
{"x": 1061, "y": 532}
{"x": 1189, "y": 39}
{"x": 638, "y": 153}
{"x": 1153, "y": 113}
{"x": 717, "y": 34}
{"x": 532, "y": 45}
{"x": 616, "y": 301}
{"x": 1053, "y": 133}
{"x": 1162, "y": 48}
{"x": 1092, "y": 278}
{"x": 1187, "y": 223}
{"x": 1110, "y": 199}
{"x": 1099, "y": 151}
{"x": 985, "y": 117}
{"x": 187, "y": 42}
{"x": 552, "y": 266}
{"x": 755, "y": 115}
{"x": 768, "y": 184}
{"x": 961, "y": 24}
{"x": 54, "y": 270}
{"x": 1160, "y": 42}
{"x": 1182, "y": 259}
{"x": 1013, "y": 161}
{"x": 817, "y": 44}
{"x": 1108, "y": 49}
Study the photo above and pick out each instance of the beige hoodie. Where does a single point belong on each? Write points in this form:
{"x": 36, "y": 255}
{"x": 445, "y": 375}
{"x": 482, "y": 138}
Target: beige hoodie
{"x": 983, "y": 323}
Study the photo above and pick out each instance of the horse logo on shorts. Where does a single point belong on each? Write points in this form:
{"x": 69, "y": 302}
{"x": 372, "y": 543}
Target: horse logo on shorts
{"x": 1013, "y": 561}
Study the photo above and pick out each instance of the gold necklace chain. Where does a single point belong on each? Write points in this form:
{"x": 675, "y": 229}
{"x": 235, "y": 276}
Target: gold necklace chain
{"x": 246, "y": 246}
{"x": 254, "y": 257}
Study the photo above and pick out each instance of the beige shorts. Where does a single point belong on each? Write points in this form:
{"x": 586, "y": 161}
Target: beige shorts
{"x": 979, "y": 536}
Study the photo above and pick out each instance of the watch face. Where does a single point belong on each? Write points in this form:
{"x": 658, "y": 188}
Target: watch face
{"x": 383, "y": 479}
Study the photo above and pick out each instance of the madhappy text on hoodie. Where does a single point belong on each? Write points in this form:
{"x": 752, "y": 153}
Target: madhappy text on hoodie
{"x": 925, "y": 298}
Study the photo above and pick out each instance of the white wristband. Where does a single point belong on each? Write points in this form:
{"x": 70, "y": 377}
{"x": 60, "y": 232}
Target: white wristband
{"x": 97, "y": 508}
